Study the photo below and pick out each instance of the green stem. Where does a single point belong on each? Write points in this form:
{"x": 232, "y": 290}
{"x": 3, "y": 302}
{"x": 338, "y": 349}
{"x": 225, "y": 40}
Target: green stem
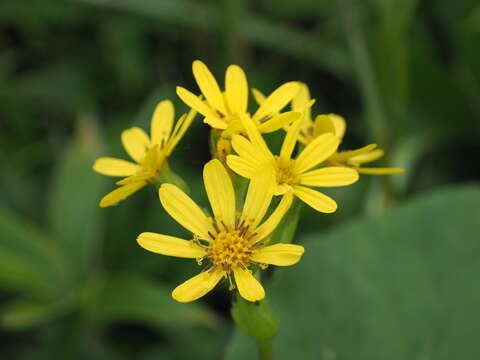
{"x": 265, "y": 350}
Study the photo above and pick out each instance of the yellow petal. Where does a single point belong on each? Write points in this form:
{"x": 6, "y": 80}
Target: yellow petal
{"x": 209, "y": 86}
{"x": 135, "y": 178}
{"x": 115, "y": 167}
{"x": 241, "y": 166}
{"x": 195, "y": 102}
{"x": 316, "y": 152}
{"x": 184, "y": 210}
{"x": 277, "y": 101}
{"x": 301, "y": 102}
{"x": 117, "y": 195}
{"x": 162, "y": 122}
{"x": 324, "y": 124}
{"x": 366, "y": 158}
{"x": 259, "y": 195}
{"x": 248, "y": 287}
{"x": 170, "y": 245}
{"x": 236, "y": 89}
{"x": 256, "y": 139}
{"x": 245, "y": 149}
{"x": 340, "y": 125}
{"x": 345, "y": 155}
{"x": 216, "y": 123}
{"x": 258, "y": 96}
{"x": 197, "y": 286}
{"x": 278, "y": 122}
{"x": 329, "y": 176}
{"x": 380, "y": 171}
{"x": 136, "y": 143}
{"x": 290, "y": 140}
{"x": 271, "y": 223}
{"x": 181, "y": 128}
{"x": 219, "y": 191}
{"x": 315, "y": 199}
{"x": 279, "y": 254}
{"x": 330, "y": 123}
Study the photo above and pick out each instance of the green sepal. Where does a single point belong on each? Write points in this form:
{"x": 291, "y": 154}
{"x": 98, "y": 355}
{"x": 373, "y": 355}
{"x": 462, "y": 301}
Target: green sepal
{"x": 167, "y": 176}
{"x": 255, "y": 318}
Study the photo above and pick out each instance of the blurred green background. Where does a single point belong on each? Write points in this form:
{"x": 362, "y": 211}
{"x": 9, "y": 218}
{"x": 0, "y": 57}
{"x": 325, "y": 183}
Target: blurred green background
{"x": 394, "y": 279}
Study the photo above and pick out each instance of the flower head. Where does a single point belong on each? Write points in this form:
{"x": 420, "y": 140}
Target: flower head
{"x": 223, "y": 109}
{"x": 292, "y": 174}
{"x": 149, "y": 153}
{"x": 230, "y": 242}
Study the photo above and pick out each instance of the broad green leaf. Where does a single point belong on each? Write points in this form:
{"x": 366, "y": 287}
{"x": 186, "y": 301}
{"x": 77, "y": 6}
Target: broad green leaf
{"x": 74, "y": 214}
{"x": 29, "y": 261}
{"x": 402, "y": 286}
{"x": 134, "y": 298}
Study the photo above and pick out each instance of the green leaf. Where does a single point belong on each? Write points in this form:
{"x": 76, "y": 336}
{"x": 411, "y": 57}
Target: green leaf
{"x": 402, "y": 286}
{"x": 29, "y": 261}
{"x": 74, "y": 215}
{"x": 128, "y": 297}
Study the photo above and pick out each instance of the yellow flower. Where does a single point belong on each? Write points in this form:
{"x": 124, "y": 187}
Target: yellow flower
{"x": 230, "y": 242}
{"x": 149, "y": 153}
{"x": 222, "y": 110}
{"x": 290, "y": 174}
{"x": 335, "y": 124}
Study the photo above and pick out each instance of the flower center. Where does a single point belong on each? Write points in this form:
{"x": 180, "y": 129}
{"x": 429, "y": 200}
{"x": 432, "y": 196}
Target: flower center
{"x": 285, "y": 171}
{"x": 231, "y": 246}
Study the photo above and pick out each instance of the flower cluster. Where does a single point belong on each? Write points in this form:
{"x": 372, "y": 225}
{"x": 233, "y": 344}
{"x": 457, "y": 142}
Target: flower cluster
{"x": 231, "y": 241}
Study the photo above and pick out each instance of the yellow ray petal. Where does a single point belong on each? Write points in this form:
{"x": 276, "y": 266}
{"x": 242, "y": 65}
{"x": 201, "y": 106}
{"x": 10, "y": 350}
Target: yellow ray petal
{"x": 219, "y": 191}
{"x": 332, "y": 123}
{"x": 256, "y": 139}
{"x": 117, "y": 195}
{"x": 316, "y": 152}
{"x": 323, "y": 125}
{"x": 215, "y": 122}
{"x": 184, "y": 210}
{"x": 115, "y": 167}
{"x": 236, "y": 89}
{"x": 195, "y": 102}
{"x": 136, "y": 143}
{"x": 279, "y": 121}
{"x": 181, "y": 128}
{"x": 366, "y": 157}
{"x": 258, "y": 96}
{"x": 301, "y": 102}
{"x": 379, "y": 171}
{"x": 209, "y": 86}
{"x": 241, "y": 166}
{"x": 345, "y": 155}
{"x": 135, "y": 178}
{"x": 315, "y": 199}
{"x": 162, "y": 122}
{"x": 197, "y": 286}
{"x": 277, "y": 101}
{"x": 271, "y": 223}
{"x": 248, "y": 287}
{"x": 245, "y": 149}
{"x": 290, "y": 140}
{"x": 170, "y": 245}
{"x": 279, "y": 254}
{"x": 329, "y": 176}
{"x": 259, "y": 196}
